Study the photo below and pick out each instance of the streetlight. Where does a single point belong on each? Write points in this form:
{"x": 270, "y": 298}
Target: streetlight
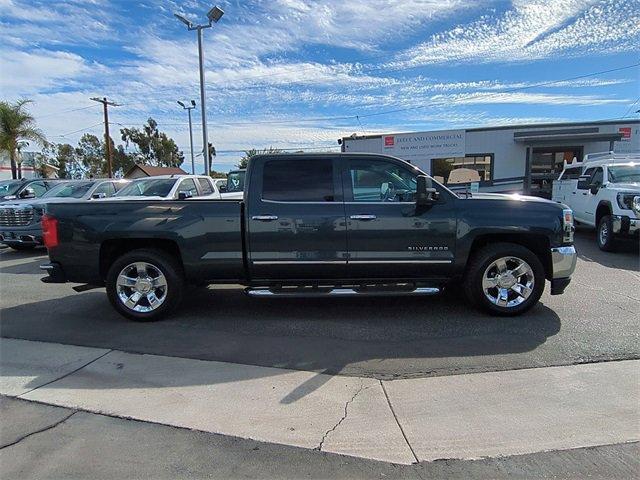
{"x": 188, "y": 108}
{"x": 214, "y": 15}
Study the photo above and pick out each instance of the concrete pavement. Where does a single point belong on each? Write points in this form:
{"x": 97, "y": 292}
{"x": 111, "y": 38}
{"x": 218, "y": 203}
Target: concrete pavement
{"x": 37, "y": 442}
{"x": 464, "y": 416}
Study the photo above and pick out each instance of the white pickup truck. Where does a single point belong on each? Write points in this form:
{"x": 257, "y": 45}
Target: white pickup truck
{"x": 604, "y": 192}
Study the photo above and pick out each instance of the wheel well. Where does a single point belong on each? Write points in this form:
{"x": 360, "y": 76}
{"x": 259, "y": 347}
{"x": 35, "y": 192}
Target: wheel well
{"x": 603, "y": 209}
{"x": 538, "y": 244}
{"x": 110, "y": 250}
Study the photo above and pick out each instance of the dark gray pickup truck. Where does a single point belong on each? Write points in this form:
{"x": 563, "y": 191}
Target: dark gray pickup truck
{"x": 317, "y": 225}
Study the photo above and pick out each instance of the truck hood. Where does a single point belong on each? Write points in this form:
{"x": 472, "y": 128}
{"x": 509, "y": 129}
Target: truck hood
{"x": 515, "y": 197}
{"x": 626, "y": 187}
{"x": 132, "y": 197}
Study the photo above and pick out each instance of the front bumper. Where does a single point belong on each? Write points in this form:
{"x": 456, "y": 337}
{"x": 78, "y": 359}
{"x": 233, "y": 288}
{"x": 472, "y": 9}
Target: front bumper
{"x": 624, "y": 225}
{"x": 563, "y": 263}
{"x": 31, "y": 235}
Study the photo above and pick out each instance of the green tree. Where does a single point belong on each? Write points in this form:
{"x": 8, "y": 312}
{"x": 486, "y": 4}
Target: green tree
{"x": 90, "y": 154}
{"x": 16, "y": 124}
{"x": 244, "y": 161}
{"x": 152, "y": 146}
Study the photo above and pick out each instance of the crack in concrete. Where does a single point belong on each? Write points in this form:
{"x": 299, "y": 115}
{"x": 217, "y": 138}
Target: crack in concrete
{"x": 346, "y": 412}
{"x": 49, "y": 427}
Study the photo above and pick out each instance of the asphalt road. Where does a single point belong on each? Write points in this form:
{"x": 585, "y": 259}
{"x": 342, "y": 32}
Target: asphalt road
{"x": 43, "y": 441}
{"x": 597, "y": 319}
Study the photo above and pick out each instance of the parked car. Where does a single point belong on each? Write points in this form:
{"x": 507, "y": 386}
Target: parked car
{"x": 604, "y": 192}
{"x": 312, "y": 225}
{"x": 11, "y": 190}
{"x": 169, "y": 187}
{"x": 20, "y": 226}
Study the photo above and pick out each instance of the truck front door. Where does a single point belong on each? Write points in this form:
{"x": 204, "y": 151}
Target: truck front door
{"x": 388, "y": 236}
{"x": 296, "y": 219}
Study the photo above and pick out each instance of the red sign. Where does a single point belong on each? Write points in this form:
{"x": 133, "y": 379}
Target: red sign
{"x": 626, "y": 132}
{"x": 389, "y": 141}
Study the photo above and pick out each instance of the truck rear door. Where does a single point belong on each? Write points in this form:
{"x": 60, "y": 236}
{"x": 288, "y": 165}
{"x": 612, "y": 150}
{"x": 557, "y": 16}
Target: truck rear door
{"x": 388, "y": 236}
{"x": 296, "y": 219}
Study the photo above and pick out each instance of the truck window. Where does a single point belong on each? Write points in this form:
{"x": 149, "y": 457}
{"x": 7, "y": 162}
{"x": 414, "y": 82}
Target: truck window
{"x": 107, "y": 188}
{"x": 380, "y": 181}
{"x": 597, "y": 177}
{"x": 571, "y": 173}
{"x": 188, "y": 185}
{"x": 205, "y": 186}
{"x": 298, "y": 180}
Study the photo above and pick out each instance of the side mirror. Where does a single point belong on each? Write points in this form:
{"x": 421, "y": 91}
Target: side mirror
{"x": 28, "y": 193}
{"x": 425, "y": 193}
{"x": 583, "y": 182}
{"x": 183, "y": 195}
{"x": 593, "y": 188}
{"x": 222, "y": 188}
{"x": 99, "y": 195}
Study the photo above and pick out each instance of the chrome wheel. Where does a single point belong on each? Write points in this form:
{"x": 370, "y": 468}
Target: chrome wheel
{"x": 603, "y": 234}
{"x": 508, "y": 282}
{"x": 141, "y": 287}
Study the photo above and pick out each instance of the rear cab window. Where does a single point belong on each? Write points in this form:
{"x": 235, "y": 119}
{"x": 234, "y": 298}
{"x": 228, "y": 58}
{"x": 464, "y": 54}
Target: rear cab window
{"x": 298, "y": 180}
{"x": 205, "y": 186}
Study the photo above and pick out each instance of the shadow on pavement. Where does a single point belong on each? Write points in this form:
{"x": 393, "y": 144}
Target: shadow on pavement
{"x": 371, "y": 337}
{"x": 626, "y": 257}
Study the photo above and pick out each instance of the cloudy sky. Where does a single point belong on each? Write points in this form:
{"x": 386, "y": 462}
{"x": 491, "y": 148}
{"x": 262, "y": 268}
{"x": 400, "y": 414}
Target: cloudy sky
{"x": 302, "y": 73}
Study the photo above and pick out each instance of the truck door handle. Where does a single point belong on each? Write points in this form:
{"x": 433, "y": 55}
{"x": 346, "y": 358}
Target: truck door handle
{"x": 265, "y": 218}
{"x": 362, "y": 217}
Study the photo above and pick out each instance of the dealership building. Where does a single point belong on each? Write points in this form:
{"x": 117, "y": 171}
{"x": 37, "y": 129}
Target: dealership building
{"x": 517, "y": 158}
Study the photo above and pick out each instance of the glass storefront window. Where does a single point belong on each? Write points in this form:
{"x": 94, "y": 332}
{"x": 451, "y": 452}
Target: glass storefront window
{"x": 471, "y": 168}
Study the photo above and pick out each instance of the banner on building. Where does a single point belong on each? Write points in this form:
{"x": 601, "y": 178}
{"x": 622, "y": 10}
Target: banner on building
{"x": 425, "y": 146}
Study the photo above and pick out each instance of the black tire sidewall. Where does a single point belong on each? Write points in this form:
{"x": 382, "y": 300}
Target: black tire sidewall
{"x": 609, "y": 245}
{"x": 486, "y": 256}
{"x": 169, "y": 268}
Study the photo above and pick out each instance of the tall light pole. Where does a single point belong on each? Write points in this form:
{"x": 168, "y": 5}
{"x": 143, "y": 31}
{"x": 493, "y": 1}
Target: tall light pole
{"x": 188, "y": 108}
{"x": 214, "y": 15}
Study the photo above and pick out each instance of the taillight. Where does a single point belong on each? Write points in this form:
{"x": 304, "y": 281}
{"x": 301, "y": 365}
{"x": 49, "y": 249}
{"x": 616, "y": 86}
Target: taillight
{"x": 49, "y": 231}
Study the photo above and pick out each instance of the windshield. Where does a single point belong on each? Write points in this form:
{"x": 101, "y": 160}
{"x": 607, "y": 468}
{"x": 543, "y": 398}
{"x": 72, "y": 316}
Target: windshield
{"x": 10, "y": 187}
{"x": 149, "y": 187}
{"x": 235, "y": 181}
{"x": 69, "y": 190}
{"x": 624, "y": 174}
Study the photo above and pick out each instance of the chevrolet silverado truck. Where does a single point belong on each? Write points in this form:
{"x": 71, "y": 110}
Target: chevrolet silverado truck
{"x": 316, "y": 225}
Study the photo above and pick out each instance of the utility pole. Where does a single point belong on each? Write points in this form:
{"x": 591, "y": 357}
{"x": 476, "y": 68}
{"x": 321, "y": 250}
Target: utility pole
{"x": 107, "y": 138}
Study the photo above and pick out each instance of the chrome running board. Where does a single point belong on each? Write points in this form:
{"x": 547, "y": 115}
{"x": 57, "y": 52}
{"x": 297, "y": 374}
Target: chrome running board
{"x": 336, "y": 292}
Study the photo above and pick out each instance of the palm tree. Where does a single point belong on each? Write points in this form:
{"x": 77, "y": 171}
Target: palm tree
{"x": 16, "y": 124}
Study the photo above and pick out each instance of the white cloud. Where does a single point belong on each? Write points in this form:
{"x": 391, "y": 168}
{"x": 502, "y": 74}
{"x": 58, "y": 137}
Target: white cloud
{"x": 39, "y": 70}
{"x": 535, "y": 29}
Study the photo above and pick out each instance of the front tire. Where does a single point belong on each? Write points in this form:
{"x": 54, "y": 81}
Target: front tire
{"x": 504, "y": 279}
{"x": 604, "y": 237}
{"x": 145, "y": 285}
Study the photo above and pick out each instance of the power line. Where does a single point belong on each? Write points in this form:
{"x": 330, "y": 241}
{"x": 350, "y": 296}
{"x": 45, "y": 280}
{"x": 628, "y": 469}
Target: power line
{"x": 66, "y": 111}
{"x": 630, "y": 108}
{"x": 79, "y": 130}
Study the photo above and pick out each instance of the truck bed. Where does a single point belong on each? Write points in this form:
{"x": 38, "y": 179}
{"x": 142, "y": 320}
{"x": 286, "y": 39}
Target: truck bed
{"x": 207, "y": 234}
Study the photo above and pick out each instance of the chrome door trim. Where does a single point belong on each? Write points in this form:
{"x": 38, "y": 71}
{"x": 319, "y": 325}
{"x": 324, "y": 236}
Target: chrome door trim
{"x": 363, "y": 217}
{"x": 426, "y": 260}
{"x": 264, "y": 218}
{"x": 299, "y": 262}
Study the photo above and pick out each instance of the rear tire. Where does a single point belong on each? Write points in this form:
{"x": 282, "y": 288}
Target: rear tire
{"x": 604, "y": 237}
{"x": 145, "y": 285}
{"x": 504, "y": 279}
